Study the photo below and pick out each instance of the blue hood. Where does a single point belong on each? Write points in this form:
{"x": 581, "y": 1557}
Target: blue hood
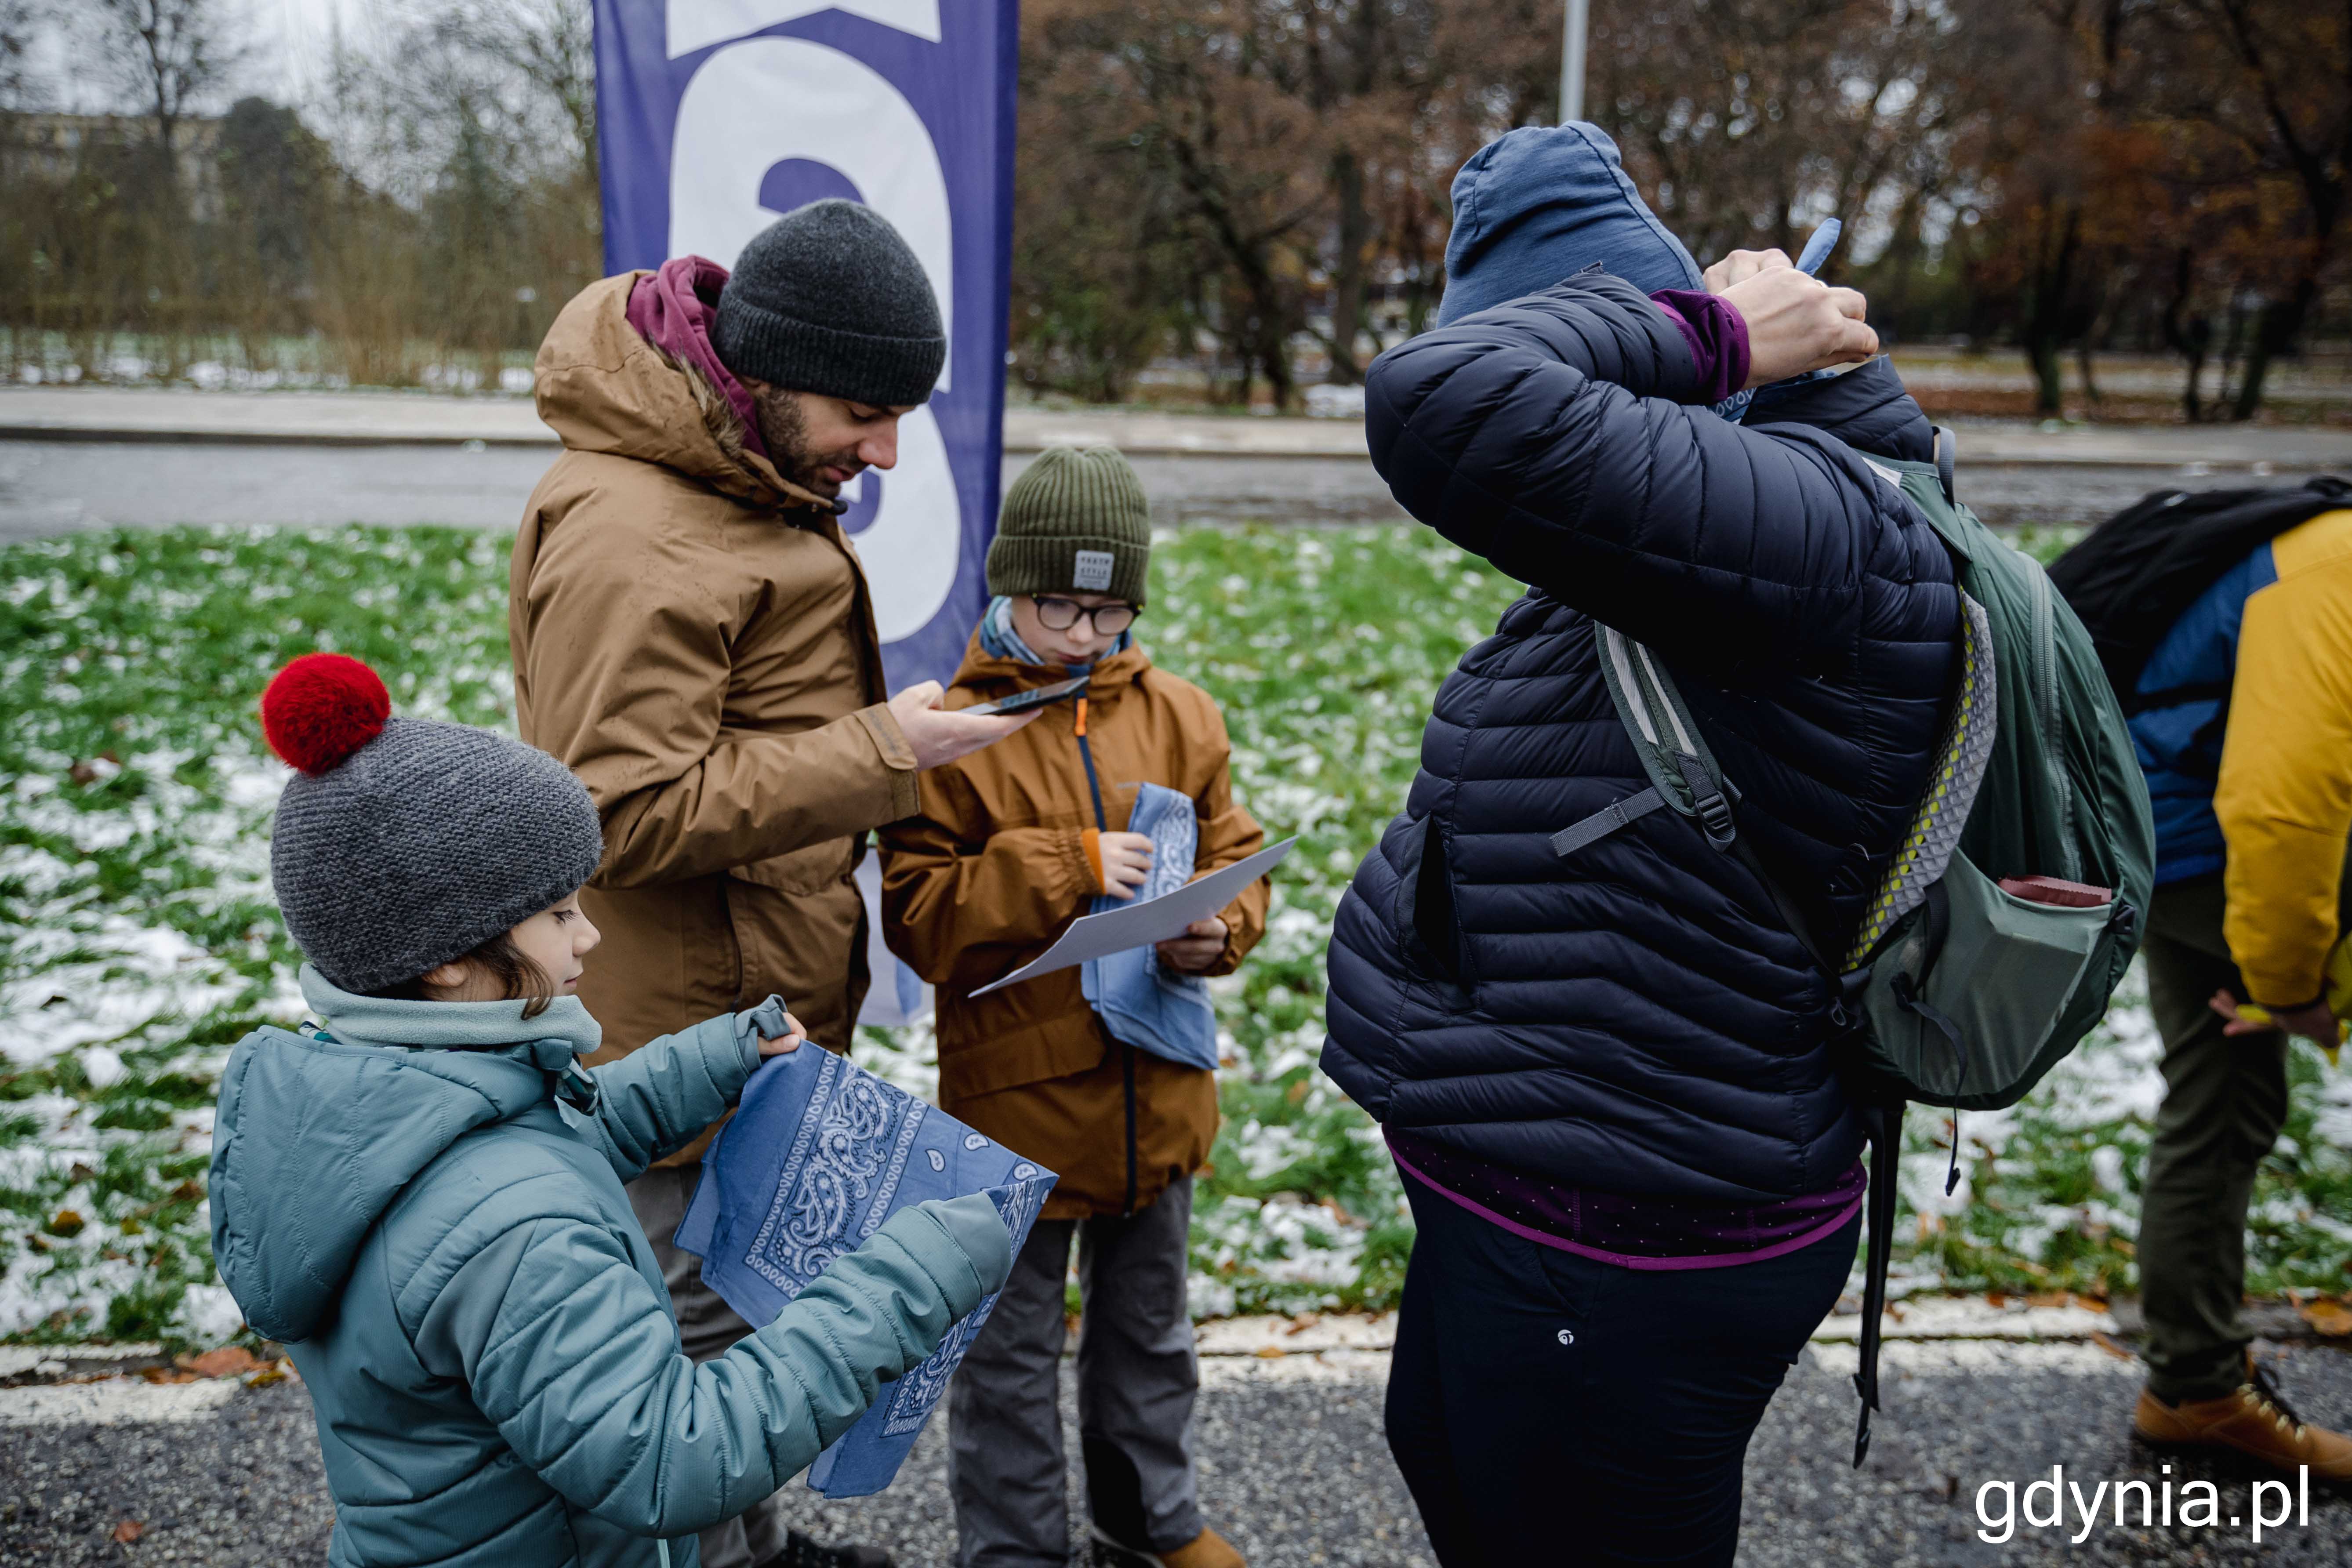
{"x": 1542, "y": 204}
{"x": 315, "y": 1138}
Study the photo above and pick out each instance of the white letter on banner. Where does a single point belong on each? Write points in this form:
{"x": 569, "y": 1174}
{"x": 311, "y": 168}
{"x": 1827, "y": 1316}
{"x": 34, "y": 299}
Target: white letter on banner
{"x": 698, "y": 24}
{"x": 752, "y": 106}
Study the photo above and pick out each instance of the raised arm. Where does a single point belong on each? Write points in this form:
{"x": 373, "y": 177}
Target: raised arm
{"x": 568, "y": 1351}
{"x": 629, "y": 657}
{"x": 1550, "y": 437}
{"x": 654, "y": 1101}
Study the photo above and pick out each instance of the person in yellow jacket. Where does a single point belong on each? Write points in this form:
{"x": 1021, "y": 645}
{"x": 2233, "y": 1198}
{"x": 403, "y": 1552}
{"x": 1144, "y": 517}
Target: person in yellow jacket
{"x": 2244, "y": 730}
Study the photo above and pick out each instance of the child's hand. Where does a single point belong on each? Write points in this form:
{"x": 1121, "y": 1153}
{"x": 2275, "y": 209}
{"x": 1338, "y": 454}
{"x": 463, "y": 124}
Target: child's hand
{"x": 1126, "y": 862}
{"x": 1202, "y": 943}
{"x": 788, "y": 1042}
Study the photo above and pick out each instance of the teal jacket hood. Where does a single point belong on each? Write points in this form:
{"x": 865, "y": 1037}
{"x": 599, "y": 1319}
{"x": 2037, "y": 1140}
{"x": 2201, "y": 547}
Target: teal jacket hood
{"x": 316, "y": 1134}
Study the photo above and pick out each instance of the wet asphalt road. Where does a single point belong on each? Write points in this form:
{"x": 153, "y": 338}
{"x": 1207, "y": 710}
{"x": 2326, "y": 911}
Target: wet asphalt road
{"x": 1297, "y": 1474}
{"x": 48, "y": 488}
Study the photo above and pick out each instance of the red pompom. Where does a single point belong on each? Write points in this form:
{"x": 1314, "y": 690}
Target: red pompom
{"x": 321, "y": 708}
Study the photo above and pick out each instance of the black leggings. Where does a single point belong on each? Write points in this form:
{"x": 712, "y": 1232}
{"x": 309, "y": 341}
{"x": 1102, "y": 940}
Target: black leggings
{"x": 1549, "y": 1408}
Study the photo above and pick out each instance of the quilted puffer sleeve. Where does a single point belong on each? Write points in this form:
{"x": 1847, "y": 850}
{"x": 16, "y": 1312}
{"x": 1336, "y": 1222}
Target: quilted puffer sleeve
{"x": 657, "y": 1100}
{"x": 568, "y": 1350}
{"x": 1549, "y": 435}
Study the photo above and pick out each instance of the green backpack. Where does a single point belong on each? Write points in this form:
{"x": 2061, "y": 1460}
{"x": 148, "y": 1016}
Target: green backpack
{"x": 1958, "y": 991}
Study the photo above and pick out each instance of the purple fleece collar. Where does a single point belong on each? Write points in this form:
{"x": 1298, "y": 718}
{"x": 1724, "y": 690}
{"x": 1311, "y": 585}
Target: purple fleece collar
{"x": 673, "y": 309}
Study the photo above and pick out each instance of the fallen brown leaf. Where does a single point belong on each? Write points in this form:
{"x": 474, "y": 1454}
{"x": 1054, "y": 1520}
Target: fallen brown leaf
{"x": 2107, "y": 1344}
{"x": 229, "y": 1360}
{"x": 2327, "y": 1316}
{"x": 1271, "y": 1352}
{"x": 128, "y": 1531}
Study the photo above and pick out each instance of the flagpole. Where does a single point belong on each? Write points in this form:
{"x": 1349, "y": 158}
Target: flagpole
{"x": 1572, "y": 62}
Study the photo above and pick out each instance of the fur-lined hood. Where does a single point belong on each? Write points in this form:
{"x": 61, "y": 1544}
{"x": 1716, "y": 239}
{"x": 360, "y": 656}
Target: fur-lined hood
{"x": 604, "y": 388}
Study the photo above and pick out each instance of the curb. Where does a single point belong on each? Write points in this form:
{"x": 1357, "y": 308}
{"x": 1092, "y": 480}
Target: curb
{"x": 463, "y": 425}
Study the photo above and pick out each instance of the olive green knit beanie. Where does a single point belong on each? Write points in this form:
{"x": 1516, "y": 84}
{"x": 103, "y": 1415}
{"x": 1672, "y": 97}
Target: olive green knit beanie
{"x": 1075, "y": 521}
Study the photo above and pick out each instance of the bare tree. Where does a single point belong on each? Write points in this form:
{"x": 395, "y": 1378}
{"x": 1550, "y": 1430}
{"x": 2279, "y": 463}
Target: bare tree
{"x": 550, "y": 48}
{"x": 20, "y": 20}
{"x": 167, "y": 56}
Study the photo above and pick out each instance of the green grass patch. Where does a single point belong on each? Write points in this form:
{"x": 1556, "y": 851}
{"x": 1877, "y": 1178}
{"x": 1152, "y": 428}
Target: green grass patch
{"x": 137, "y": 941}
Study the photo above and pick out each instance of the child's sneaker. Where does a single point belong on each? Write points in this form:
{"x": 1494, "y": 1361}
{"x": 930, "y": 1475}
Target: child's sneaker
{"x": 1206, "y": 1549}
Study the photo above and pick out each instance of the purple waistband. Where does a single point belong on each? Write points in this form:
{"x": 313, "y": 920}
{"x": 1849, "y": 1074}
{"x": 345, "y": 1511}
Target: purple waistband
{"x": 1627, "y": 1230}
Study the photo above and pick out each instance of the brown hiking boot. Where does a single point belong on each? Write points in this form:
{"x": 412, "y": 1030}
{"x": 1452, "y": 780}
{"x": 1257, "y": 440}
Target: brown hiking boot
{"x": 2251, "y": 1421}
{"x": 1206, "y": 1549}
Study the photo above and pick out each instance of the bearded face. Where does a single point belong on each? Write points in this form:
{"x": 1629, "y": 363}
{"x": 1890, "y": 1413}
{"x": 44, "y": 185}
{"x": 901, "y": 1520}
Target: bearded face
{"x": 822, "y": 443}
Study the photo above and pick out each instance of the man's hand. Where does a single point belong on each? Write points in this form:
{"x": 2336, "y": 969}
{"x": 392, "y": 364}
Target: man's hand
{"x": 940, "y": 736}
{"x": 1741, "y": 265}
{"x": 1202, "y": 943}
{"x": 2315, "y": 1022}
{"x": 1797, "y": 323}
{"x": 796, "y": 1032}
{"x": 1126, "y": 862}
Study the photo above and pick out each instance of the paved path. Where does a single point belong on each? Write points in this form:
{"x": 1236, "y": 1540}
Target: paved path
{"x": 1294, "y": 1467}
{"x": 61, "y": 487}
{"x": 364, "y": 418}
{"x": 78, "y": 458}
{"x": 52, "y": 487}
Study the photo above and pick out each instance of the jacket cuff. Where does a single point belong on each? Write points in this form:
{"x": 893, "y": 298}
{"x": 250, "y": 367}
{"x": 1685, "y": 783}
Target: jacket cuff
{"x": 2255, "y": 995}
{"x": 1716, "y": 334}
{"x": 897, "y": 757}
{"x": 1231, "y": 959}
{"x": 1082, "y": 860}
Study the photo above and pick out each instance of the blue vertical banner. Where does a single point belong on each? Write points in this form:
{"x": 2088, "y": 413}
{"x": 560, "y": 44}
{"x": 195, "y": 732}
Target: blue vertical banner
{"x": 716, "y": 117}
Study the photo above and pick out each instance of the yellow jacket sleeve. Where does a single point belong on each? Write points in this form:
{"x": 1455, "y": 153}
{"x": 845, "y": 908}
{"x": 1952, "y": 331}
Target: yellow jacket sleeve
{"x": 2285, "y": 798}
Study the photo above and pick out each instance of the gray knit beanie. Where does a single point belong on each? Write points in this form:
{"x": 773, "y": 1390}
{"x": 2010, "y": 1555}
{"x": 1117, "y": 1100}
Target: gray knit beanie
{"x": 828, "y": 299}
{"x": 402, "y": 844}
{"x": 1075, "y": 519}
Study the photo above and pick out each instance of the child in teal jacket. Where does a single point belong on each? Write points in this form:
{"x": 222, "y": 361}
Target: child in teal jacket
{"x": 421, "y": 1193}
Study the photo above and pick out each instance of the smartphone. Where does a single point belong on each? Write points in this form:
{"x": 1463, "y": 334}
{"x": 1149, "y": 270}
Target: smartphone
{"x": 1035, "y": 697}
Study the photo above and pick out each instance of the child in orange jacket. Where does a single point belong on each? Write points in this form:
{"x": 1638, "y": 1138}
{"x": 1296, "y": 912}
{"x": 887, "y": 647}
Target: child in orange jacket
{"x": 1010, "y": 846}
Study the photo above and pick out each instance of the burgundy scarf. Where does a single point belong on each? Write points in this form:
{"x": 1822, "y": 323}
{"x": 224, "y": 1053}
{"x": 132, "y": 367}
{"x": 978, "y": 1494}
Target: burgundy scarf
{"x": 673, "y": 309}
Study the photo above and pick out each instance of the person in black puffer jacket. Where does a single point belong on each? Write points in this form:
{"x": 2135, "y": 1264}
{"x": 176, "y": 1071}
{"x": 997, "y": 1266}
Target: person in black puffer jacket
{"x": 1608, "y": 1078}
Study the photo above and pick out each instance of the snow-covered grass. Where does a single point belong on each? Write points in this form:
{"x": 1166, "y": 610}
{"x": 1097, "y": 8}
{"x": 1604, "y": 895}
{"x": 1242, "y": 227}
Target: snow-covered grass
{"x": 138, "y": 941}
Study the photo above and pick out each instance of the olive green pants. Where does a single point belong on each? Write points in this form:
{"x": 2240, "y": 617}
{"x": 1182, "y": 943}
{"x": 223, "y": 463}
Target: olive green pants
{"x": 2224, "y": 1102}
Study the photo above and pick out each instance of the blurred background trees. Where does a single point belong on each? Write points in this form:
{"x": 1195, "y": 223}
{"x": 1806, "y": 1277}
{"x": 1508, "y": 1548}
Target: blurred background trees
{"x": 1244, "y": 197}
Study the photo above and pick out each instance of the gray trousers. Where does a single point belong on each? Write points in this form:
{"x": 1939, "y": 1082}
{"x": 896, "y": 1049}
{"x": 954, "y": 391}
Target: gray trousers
{"x": 2225, "y": 1099}
{"x": 1137, "y": 1377}
{"x": 707, "y": 1326}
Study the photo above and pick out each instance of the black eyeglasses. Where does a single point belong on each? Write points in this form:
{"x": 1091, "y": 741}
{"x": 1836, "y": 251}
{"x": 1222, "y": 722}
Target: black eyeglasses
{"x": 1107, "y": 620}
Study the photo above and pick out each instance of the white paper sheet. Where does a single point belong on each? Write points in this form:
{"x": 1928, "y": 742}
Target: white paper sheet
{"x": 1152, "y": 921}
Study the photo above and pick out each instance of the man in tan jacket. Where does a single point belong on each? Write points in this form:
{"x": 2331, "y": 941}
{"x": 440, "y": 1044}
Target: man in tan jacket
{"x": 692, "y": 636}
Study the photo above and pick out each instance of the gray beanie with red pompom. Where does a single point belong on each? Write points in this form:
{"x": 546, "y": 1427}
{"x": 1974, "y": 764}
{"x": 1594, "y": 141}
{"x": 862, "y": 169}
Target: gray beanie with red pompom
{"x": 402, "y": 844}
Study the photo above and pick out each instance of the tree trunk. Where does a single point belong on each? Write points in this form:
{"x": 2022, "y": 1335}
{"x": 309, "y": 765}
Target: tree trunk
{"x": 2275, "y": 331}
{"x": 1348, "y": 277}
{"x": 2044, "y": 329}
{"x": 2186, "y": 335}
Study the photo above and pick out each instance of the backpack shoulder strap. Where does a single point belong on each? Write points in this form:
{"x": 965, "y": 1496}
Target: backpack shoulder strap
{"x": 1683, "y": 775}
{"x": 1682, "y": 772}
